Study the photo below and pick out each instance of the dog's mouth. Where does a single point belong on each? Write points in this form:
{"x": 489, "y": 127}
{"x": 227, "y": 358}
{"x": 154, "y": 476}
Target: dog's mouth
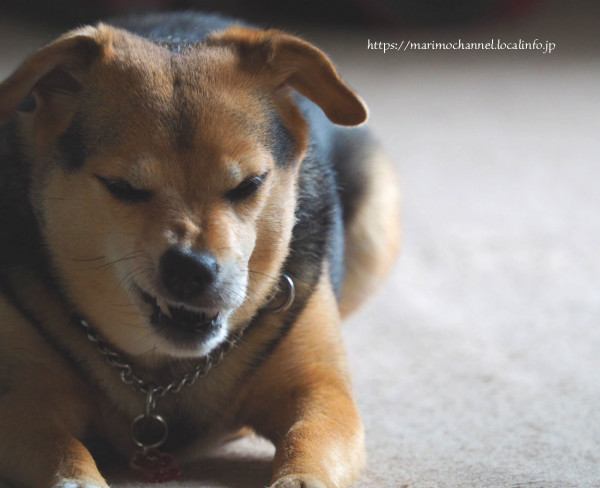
{"x": 179, "y": 323}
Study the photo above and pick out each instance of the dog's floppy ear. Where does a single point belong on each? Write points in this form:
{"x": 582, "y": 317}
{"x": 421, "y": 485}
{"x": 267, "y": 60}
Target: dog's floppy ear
{"x": 55, "y": 71}
{"x": 300, "y": 65}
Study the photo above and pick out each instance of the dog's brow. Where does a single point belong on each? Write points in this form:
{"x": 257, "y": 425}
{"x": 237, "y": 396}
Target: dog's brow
{"x": 234, "y": 171}
{"x": 245, "y": 167}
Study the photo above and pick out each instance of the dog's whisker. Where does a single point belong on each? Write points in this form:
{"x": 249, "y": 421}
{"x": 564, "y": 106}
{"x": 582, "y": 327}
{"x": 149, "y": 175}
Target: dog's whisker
{"x": 132, "y": 276}
{"x": 127, "y": 257}
{"x": 99, "y": 258}
{"x": 253, "y": 272}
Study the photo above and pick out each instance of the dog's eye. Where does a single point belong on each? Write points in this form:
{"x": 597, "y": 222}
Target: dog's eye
{"x": 124, "y": 191}
{"x": 246, "y": 188}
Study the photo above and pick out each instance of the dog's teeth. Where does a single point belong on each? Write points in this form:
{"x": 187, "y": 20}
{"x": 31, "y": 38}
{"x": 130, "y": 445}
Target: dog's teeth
{"x": 164, "y": 308}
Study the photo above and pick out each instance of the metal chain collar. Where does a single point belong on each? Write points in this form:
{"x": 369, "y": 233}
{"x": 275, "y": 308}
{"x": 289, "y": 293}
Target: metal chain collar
{"x": 153, "y": 391}
{"x": 116, "y": 360}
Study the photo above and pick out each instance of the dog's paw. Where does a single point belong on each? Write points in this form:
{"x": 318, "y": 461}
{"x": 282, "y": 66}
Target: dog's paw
{"x": 299, "y": 481}
{"x": 72, "y": 483}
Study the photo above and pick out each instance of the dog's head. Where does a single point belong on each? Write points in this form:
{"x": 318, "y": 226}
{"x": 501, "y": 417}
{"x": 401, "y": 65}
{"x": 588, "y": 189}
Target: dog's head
{"x": 165, "y": 182}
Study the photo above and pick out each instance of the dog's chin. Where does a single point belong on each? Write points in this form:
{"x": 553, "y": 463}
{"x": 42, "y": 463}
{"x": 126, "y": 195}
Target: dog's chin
{"x": 186, "y": 347}
{"x": 184, "y": 331}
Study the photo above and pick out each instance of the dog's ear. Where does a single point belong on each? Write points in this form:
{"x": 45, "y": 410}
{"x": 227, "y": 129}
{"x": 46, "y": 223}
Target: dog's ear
{"x": 299, "y": 64}
{"x": 53, "y": 76}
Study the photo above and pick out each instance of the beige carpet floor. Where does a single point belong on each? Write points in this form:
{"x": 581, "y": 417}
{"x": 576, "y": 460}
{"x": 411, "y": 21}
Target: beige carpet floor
{"x": 478, "y": 364}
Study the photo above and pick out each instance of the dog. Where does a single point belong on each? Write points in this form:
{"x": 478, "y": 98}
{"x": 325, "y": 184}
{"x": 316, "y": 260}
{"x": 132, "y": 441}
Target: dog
{"x": 185, "y": 221}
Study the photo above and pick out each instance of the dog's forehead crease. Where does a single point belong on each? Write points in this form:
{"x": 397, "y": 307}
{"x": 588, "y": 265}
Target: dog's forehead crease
{"x": 185, "y": 99}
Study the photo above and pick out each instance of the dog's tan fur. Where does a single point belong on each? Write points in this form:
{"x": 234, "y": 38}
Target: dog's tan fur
{"x": 374, "y": 235}
{"x": 300, "y": 397}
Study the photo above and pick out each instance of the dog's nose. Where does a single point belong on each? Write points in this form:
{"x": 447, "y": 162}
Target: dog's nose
{"x": 187, "y": 274}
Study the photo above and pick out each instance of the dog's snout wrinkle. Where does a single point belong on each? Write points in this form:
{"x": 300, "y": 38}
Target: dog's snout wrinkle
{"x": 187, "y": 274}
{"x": 184, "y": 231}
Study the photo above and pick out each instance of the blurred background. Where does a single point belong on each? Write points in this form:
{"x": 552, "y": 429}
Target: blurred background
{"x": 477, "y": 363}
{"x": 335, "y": 12}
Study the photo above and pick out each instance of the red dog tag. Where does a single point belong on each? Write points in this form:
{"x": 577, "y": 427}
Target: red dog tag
{"x": 155, "y": 466}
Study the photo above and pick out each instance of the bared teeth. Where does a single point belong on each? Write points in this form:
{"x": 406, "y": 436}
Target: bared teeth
{"x": 162, "y": 305}
{"x": 180, "y": 316}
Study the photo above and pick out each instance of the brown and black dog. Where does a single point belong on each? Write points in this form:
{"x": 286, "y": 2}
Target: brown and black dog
{"x": 158, "y": 178}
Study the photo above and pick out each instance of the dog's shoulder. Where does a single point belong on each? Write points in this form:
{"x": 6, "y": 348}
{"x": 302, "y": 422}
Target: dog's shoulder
{"x": 333, "y": 181}
{"x": 318, "y": 233}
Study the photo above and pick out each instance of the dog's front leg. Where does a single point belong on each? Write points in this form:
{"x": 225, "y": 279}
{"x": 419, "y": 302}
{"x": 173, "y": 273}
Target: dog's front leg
{"x": 323, "y": 446}
{"x": 301, "y": 400}
{"x": 37, "y": 446}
